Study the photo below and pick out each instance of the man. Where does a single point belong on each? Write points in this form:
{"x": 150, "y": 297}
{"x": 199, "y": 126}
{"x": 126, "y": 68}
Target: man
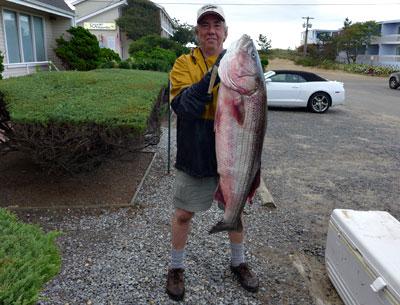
{"x": 197, "y": 177}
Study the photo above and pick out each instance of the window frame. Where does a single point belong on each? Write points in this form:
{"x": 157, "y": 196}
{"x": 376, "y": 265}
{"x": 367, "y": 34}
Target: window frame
{"x": 32, "y": 26}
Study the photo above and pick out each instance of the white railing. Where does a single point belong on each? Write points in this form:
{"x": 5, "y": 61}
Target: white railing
{"x": 18, "y": 69}
{"x": 379, "y": 59}
{"x": 393, "y": 38}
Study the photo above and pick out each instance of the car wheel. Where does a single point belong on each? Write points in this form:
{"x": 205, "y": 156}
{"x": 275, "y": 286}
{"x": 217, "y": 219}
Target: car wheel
{"x": 393, "y": 84}
{"x": 319, "y": 102}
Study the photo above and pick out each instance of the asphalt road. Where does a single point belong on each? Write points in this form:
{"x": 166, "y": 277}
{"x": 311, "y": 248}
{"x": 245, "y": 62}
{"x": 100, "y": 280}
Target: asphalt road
{"x": 348, "y": 157}
{"x": 368, "y": 93}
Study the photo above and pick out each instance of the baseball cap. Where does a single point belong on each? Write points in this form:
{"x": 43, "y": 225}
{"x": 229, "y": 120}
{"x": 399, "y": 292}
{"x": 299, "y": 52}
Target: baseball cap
{"x": 210, "y": 9}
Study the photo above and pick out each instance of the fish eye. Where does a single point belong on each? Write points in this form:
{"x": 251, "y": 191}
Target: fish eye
{"x": 253, "y": 54}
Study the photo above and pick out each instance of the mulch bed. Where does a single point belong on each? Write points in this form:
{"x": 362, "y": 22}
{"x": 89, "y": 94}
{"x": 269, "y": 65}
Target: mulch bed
{"x": 114, "y": 183}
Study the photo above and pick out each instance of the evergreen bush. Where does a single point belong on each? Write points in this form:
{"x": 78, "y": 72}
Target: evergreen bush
{"x": 125, "y": 64}
{"x": 28, "y": 259}
{"x": 107, "y": 54}
{"x": 81, "y": 52}
{"x": 149, "y": 42}
{"x": 156, "y": 60}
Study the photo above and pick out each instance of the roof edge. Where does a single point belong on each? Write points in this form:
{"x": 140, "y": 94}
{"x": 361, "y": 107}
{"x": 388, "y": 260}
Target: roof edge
{"x": 44, "y": 7}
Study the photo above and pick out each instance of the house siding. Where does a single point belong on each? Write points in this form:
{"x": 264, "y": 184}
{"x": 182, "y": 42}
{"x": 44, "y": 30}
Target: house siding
{"x": 88, "y": 7}
{"x": 54, "y": 26}
{"x": 105, "y": 37}
{"x": 384, "y": 50}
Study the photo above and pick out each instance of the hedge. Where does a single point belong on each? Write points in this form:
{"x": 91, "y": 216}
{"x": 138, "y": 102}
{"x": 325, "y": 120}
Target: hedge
{"x": 70, "y": 121}
{"x": 111, "y": 97}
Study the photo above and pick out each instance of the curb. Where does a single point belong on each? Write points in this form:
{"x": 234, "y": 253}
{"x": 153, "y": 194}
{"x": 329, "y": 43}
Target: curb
{"x": 132, "y": 202}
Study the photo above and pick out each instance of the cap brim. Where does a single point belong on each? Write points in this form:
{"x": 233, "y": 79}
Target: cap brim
{"x": 210, "y": 13}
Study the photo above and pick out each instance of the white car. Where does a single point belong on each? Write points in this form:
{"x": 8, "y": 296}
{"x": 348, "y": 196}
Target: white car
{"x": 288, "y": 88}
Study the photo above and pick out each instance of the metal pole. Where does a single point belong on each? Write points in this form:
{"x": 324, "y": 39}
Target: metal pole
{"x": 307, "y": 25}
{"x": 169, "y": 133}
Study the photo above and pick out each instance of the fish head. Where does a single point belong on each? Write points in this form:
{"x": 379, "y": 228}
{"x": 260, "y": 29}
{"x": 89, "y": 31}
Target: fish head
{"x": 240, "y": 69}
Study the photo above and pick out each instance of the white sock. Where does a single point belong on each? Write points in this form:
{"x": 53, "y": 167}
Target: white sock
{"x": 237, "y": 254}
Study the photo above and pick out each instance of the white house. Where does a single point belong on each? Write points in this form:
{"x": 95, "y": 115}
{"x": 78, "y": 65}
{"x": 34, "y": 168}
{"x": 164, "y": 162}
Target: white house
{"x": 99, "y": 18}
{"x": 28, "y": 32}
{"x": 314, "y": 35}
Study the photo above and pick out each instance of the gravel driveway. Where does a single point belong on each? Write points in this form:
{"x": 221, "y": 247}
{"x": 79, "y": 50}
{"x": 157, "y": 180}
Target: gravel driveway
{"x": 311, "y": 164}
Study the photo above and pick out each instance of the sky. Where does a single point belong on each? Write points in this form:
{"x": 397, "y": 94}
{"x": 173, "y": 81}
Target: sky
{"x": 282, "y": 22}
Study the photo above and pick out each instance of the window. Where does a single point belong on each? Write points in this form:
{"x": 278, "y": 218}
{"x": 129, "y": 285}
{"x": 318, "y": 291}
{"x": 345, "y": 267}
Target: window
{"x": 278, "y": 78}
{"x": 287, "y": 78}
{"x": 24, "y": 37}
{"x": 10, "y": 22}
{"x": 398, "y": 51}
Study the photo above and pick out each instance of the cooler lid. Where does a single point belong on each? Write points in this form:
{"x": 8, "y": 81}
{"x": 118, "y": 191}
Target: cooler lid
{"x": 376, "y": 235}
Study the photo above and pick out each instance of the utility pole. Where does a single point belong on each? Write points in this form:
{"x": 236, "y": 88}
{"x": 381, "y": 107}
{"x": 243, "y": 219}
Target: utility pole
{"x": 307, "y": 26}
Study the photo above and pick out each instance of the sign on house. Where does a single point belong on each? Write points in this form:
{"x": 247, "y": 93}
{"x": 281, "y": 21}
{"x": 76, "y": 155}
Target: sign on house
{"x": 104, "y": 26}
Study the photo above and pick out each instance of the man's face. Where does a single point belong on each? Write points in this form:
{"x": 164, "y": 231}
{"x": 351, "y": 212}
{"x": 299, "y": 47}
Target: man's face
{"x": 211, "y": 34}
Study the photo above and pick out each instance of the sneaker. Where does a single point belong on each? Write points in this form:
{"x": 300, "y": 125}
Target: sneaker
{"x": 175, "y": 284}
{"x": 246, "y": 278}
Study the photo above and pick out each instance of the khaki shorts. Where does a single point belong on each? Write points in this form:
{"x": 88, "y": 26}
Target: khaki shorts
{"x": 194, "y": 194}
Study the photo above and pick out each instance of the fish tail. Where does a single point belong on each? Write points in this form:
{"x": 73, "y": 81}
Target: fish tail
{"x": 223, "y": 226}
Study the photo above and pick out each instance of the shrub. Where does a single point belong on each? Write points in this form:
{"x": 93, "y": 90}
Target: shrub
{"x": 81, "y": 52}
{"x": 156, "y": 60}
{"x": 109, "y": 65}
{"x": 28, "y": 259}
{"x": 72, "y": 121}
{"x": 148, "y": 43}
{"x": 107, "y": 54}
{"x": 125, "y": 64}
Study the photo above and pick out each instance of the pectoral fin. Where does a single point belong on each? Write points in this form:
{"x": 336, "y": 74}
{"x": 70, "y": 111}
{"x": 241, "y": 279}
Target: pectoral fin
{"x": 238, "y": 111}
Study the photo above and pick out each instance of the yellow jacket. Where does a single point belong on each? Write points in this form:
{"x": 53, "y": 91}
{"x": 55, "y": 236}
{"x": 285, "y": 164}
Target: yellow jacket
{"x": 190, "y": 69}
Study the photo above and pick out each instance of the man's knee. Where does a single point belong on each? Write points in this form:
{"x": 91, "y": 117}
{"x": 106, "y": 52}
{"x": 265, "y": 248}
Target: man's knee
{"x": 183, "y": 217}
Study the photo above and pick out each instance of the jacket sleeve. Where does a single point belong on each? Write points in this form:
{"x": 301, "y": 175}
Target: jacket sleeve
{"x": 188, "y": 99}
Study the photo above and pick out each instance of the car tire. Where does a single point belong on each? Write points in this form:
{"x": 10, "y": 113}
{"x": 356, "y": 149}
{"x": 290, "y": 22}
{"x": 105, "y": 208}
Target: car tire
{"x": 393, "y": 84}
{"x": 319, "y": 102}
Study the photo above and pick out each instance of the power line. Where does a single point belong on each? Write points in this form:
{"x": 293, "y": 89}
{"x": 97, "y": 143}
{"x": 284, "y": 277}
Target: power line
{"x": 270, "y": 4}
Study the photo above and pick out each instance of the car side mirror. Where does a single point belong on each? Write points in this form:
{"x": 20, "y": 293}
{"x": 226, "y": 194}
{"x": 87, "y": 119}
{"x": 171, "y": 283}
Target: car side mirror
{"x": 268, "y": 80}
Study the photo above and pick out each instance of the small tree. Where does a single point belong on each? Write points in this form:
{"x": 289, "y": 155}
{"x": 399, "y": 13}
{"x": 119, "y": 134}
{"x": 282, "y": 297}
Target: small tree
{"x": 184, "y": 33}
{"x": 140, "y": 18}
{"x": 264, "y": 43}
{"x": 354, "y": 37}
{"x": 81, "y": 52}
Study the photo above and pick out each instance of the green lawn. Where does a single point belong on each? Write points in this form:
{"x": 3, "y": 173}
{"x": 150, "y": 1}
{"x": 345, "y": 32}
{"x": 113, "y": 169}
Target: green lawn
{"x": 110, "y": 97}
{"x": 28, "y": 259}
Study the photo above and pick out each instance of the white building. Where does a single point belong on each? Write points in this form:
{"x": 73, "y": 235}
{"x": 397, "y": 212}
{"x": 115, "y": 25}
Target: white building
{"x": 99, "y": 17}
{"x": 314, "y": 35}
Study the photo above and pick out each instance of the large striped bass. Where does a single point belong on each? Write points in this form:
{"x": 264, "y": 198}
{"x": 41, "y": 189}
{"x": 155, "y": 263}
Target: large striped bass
{"x": 240, "y": 125}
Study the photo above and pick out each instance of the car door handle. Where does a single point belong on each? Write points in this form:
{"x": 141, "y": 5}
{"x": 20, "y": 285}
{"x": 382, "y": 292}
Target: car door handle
{"x": 294, "y": 87}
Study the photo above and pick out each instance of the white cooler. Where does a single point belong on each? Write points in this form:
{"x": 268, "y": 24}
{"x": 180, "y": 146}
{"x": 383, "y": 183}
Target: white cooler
{"x": 362, "y": 257}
